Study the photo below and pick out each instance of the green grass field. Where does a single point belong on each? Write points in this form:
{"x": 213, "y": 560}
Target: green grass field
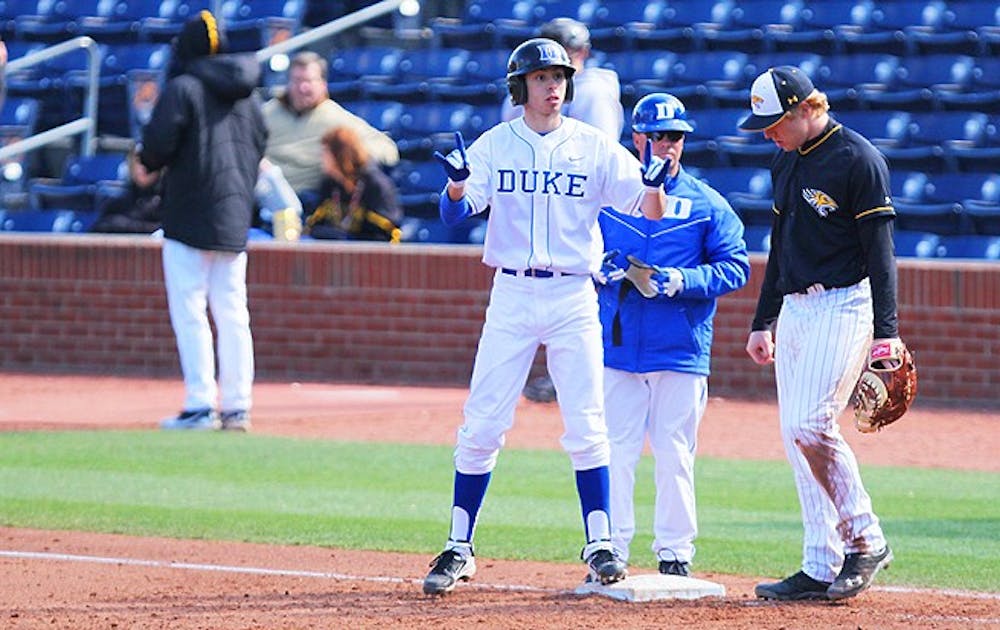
{"x": 944, "y": 526}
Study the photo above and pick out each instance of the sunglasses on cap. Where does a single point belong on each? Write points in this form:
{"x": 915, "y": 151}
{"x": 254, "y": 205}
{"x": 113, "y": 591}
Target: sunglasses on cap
{"x": 673, "y": 136}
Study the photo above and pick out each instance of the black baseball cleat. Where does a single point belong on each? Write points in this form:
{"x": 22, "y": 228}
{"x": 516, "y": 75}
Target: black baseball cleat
{"x": 605, "y": 567}
{"x": 447, "y": 569}
{"x": 858, "y": 572}
{"x": 675, "y": 567}
{"x": 793, "y": 588}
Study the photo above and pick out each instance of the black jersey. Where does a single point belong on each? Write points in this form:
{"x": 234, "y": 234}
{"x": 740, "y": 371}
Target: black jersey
{"x": 832, "y": 224}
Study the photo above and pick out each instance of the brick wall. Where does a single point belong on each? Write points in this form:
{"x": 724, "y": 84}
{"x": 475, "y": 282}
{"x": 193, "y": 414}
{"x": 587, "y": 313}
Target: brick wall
{"x": 406, "y": 314}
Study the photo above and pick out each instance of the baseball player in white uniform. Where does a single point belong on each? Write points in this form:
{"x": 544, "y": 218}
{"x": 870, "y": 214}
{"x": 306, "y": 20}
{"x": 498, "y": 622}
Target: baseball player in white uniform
{"x": 544, "y": 178}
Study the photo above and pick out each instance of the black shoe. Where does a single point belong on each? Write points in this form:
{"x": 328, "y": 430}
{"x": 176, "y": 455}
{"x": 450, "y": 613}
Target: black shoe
{"x": 858, "y": 572}
{"x": 675, "y": 567}
{"x": 795, "y": 587}
{"x": 540, "y": 389}
{"x": 446, "y": 570}
{"x": 605, "y": 567}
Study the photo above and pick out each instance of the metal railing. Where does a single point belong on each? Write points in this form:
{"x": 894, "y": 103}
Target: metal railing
{"x": 87, "y": 124}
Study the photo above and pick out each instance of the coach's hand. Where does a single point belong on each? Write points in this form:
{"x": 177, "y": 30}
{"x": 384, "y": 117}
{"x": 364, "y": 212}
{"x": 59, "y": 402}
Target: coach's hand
{"x": 760, "y": 347}
{"x": 654, "y": 170}
{"x": 609, "y": 273}
{"x": 667, "y": 281}
{"x": 455, "y": 163}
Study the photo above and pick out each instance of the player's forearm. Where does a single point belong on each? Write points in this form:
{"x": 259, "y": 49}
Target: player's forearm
{"x": 653, "y": 204}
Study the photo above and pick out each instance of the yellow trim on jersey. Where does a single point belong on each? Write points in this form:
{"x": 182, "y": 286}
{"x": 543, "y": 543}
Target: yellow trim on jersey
{"x": 820, "y": 141}
{"x": 873, "y": 211}
{"x": 213, "y": 31}
{"x": 775, "y": 210}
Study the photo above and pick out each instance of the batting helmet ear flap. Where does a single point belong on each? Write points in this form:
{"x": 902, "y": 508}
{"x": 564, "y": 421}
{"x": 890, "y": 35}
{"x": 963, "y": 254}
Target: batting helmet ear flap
{"x": 518, "y": 90}
{"x": 569, "y": 87}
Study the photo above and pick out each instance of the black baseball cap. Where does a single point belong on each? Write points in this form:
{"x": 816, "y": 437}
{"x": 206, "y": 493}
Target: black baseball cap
{"x": 774, "y": 94}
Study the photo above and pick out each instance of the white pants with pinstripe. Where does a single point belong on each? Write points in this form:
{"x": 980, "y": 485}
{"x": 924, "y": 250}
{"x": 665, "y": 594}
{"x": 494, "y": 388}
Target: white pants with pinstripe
{"x": 821, "y": 343}
{"x": 196, "y": 280}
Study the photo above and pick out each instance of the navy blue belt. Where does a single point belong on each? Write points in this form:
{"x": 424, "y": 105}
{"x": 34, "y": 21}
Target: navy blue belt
{"x": 536, "y": 273}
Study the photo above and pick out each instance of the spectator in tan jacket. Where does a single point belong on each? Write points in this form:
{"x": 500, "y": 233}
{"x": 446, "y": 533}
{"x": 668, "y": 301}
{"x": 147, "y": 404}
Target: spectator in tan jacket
{"x": 298, "y": 119}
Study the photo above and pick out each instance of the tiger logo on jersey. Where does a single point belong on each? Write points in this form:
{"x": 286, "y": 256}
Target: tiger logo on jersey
{"x": 821, "y": 202}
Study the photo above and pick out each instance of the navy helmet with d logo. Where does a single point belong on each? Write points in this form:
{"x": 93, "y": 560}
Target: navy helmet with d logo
{"x": 532, "y": 55}
{"x": 660, "y": 112}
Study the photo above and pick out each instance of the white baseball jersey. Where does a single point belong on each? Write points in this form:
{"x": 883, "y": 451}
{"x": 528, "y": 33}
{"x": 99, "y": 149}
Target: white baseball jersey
{"x": 546, "y": 191}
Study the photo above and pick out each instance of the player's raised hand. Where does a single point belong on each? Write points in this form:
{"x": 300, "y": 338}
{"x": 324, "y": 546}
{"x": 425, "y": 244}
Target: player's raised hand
{"x": 455, "y": 163}
{"x": 656, "y": 171}
{"x": 609, "y": 273}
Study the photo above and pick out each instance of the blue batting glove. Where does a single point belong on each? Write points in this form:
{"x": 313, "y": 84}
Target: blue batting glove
{"x": 655, "y": 171}
{"x": 609, "y": 273}
{"x": 667, "y": 281}
{"x": 455, "y": 163}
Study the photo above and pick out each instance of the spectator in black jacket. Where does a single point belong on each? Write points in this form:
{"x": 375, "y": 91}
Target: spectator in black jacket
{"x": 208, "y": 130}
{"x": 359, "y": 201}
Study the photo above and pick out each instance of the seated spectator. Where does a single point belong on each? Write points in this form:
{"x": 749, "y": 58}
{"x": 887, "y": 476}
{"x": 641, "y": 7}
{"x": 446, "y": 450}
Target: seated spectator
{"x": 359, "y": 201}
{"x": 298, "y": 119}
{"x": 138, "y": 210}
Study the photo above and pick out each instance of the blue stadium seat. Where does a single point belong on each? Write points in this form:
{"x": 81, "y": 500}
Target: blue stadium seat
{"x": 482, "y": 80}
{"x": 170, "y": 18}
{"x": 116, "y": 21}
{"x": 811, "y": 26}
{"x": 477, "y": 28}
{"x": 20, "y": 112}
{"x": 983, "y": 93}
{"x": 701, "y": 145}
{"x": 757, "y": 238}
{"x": 974, "y": 246}
{"x": 983, "y": 208}
{"x": 417, "y": 70}
{"x": 920, "y": 82}
{"x": 916, "y": 244}
{"x": 77, "y": 187}
{"x": 843, "y": 77}
{"x": 426, "y": 127}
{"x": 383, "y": 115}
{"x": 251, "y": 25}
{"x": 614, "y": 24}
{"x": 949, "y": 27}
{"x": 641, "y": 72}
{"x": 877, "y": 27}
{"x": 55, "y": 220}
{"x": 675, "y": 30}
{"x": 696, "y": 76}
{"x": 738, "y": 25}
{"x": 748, "y": 190}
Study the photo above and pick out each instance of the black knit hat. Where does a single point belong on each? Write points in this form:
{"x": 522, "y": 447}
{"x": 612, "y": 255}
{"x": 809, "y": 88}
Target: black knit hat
{"x": 200, "y": 37}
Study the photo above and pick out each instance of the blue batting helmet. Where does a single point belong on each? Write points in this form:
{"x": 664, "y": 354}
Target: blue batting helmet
{"x": 660, "y": 112}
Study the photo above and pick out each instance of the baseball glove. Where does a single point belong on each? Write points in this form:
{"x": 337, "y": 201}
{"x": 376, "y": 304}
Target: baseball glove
{"x": 886, "y": 388}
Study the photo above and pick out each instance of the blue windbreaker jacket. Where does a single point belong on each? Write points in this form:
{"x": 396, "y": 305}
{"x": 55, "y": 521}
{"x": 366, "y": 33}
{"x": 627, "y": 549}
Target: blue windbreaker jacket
{"x": 701, "y": 236}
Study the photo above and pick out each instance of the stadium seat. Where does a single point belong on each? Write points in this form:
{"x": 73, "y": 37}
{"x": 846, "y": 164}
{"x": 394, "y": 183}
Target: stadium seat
{"x": 983, "y": 208}
{"x": 748, "y": 191}
{"x": 695, "y": 76}
{"x": 983, "y": 93}
{"x": 640, "y": 72}
{"x": 170, "y": 18}
{"x": 77, "y": 187}
{"x": 844, "y": 76}
{"x": 419, "y": 184}
{"x": 975, "y": 246}
{"x": 251, "y": 25}
{"x": 675, "y": 30}
{"x": 738, "y": 25}
{"x": 614, "y": 24}
{"x": 55, "y": 220}
{"x": 417, "y": 70}
{"x": 19, "y": 112}
{"x": 949, "y": 27}
{"x": 116, "y": 21}
{"x": 757, "y": 238}
{"x": 482, "y": 80}
{"x": 811, "y": 26}
{"x": 701, "y": 145}
{"x": 920, "y": 82}
{"x": 477, "y": 28}
{"x": 915, "y": 244}
{"x": 877, "y": 27}
{"x": 383, "y": 115}
{"x": 426, "y": 127}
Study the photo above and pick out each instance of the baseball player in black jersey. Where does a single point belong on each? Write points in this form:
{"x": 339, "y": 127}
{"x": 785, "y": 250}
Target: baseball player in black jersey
{"x": 830, "y": 287}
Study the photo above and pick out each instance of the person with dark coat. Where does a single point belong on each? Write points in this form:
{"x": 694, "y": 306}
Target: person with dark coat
{"x": 207, "y": 129}
{"x": 360, "y": 202}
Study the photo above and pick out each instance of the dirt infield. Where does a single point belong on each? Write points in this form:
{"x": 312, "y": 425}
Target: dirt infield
{"x": 75, "y": 580}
